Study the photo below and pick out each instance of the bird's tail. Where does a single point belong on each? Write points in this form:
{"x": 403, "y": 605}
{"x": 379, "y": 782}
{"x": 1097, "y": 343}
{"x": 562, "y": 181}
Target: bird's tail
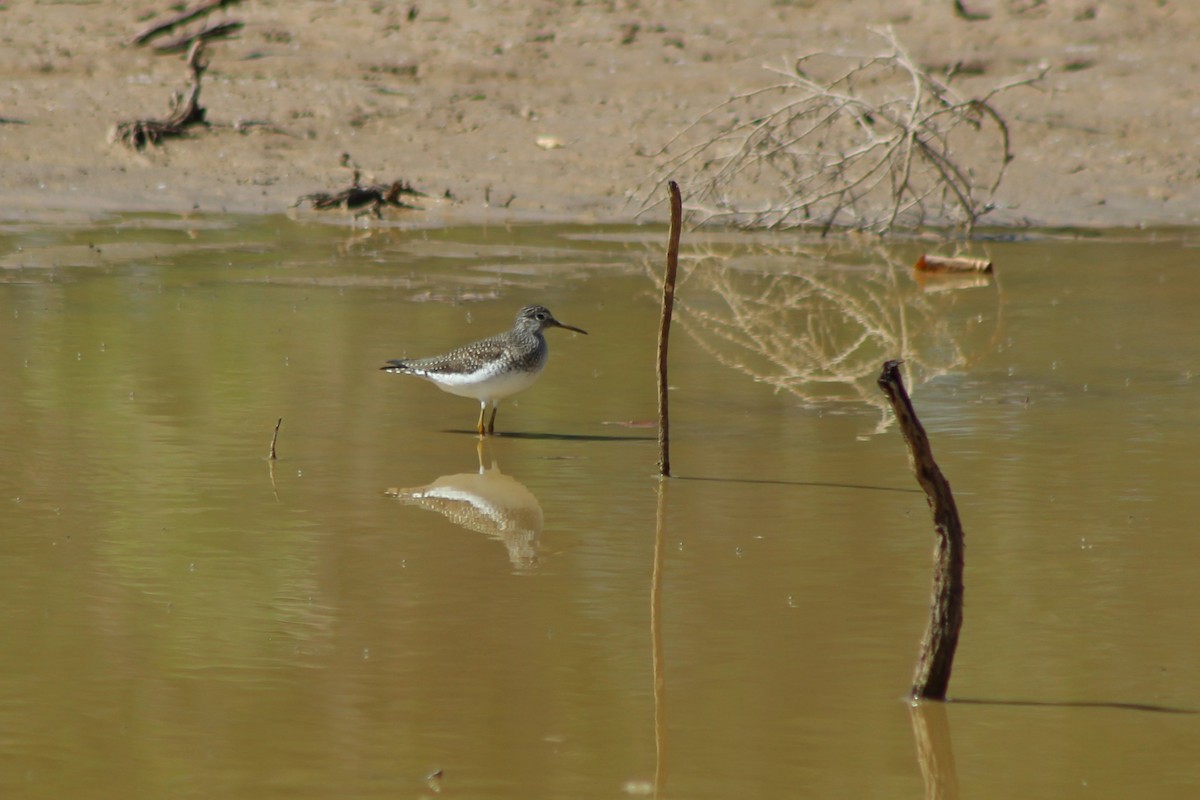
{"x": 395, "y": 365}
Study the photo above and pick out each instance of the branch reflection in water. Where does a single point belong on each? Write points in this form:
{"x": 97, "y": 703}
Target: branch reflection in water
{"x": 935, "y": 747}
{"x": 817, "y": 325}
{"x": 935, "y": 751}
{"x": 487, "y": 501}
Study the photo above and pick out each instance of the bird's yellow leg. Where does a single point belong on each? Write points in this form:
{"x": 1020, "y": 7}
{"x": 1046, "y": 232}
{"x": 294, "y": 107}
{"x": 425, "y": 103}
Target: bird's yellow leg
{"x": 479, "y": 425}
{"x": 491, "y": 421}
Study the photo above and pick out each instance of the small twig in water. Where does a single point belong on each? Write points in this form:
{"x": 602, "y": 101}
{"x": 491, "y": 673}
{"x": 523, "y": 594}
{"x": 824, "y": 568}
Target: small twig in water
{"x": 275, "y": 438}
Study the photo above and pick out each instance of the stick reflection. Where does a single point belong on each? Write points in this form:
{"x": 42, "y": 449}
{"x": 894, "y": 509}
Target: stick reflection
{"x": 935, "y": 752}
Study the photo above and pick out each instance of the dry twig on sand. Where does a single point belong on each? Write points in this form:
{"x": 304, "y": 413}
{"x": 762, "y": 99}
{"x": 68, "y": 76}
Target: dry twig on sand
{"x": 219, "y": 30}
{"x": 186, "y": 110}
{"x": 182, "y": 18}
{"x": 371, "y": 198}
{"x": 356, "y": 197}
{"x": 875, "y": 145}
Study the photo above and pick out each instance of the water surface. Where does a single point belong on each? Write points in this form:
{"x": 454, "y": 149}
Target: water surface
{"x": 180, "y": 617}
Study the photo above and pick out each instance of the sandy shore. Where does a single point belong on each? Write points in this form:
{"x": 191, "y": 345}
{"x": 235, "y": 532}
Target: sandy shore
{"x": 456, "y": 97}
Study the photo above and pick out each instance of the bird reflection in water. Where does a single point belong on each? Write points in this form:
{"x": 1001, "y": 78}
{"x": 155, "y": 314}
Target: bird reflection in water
{"x": 487, "y": 501}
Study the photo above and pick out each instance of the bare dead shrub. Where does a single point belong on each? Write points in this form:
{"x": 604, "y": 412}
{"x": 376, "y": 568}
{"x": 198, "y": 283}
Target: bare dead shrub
{"x": 869, "y": 143}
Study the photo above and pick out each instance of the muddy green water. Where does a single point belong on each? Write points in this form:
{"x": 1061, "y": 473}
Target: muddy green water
{"x": 371, "y": 616}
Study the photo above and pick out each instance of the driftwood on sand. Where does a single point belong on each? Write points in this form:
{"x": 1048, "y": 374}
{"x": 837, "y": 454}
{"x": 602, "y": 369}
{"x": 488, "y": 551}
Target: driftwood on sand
{"x": 186, "y": 111}
{"x": 371, "y": 198}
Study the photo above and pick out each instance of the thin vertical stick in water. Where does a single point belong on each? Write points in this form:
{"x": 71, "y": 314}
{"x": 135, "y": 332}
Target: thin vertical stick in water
{"x": 664, "y": 330}
{"x": 932, "y": 677}
{"x": 274, "y": 439}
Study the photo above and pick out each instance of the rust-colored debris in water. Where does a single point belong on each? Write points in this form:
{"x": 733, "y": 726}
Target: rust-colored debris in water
{"x": 928, "y": 263}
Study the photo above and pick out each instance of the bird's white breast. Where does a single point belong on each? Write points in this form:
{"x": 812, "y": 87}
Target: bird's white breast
{"x": 487, "y": 383}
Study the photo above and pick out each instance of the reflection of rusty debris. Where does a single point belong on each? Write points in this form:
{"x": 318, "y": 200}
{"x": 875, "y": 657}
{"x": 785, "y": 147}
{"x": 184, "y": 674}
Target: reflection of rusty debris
{"x": 371, "y": 198}
{"x": 186, "y": 111}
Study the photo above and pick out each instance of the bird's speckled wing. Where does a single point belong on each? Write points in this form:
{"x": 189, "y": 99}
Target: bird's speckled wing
{"x": 466, "y": 360}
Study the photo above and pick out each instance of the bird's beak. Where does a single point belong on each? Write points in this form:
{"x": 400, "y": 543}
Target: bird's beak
{"x": 558, "y": 324}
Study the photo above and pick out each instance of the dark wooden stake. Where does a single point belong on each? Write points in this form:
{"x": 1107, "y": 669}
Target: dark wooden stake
{"x": 946, "y": 609}
{"x": 664, "y": 330}
{"x": 275, "y": 438}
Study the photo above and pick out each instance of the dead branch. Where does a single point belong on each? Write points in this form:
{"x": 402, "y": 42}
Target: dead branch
{"x": 932, "y": 677}
{"x": 220, "y": 30}
{"x": 182, "y": 18}
{"x": 275, "y": 438}
{"x": 874, "y": 146}
{"x": 186, "y": 110}
{"x": 970, "y": 16}
{"x": 372, "y": 198}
